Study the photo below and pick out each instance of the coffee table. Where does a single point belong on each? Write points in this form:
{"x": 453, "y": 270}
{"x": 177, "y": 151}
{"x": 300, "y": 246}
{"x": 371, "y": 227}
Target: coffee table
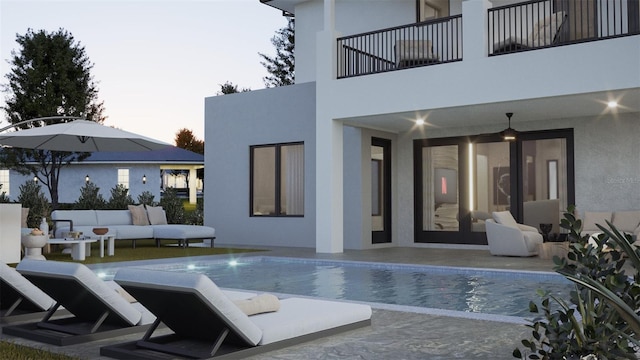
{"x": 80, "y": 248}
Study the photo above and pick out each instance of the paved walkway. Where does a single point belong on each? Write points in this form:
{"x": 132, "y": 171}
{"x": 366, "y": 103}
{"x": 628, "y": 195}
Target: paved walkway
{"x": 393, "y": 334}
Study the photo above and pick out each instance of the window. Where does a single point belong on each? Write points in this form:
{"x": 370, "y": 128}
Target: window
{"x": 4, "y": 182}
{"x": 123, "y": 177}
{"x": 277, "y": 180}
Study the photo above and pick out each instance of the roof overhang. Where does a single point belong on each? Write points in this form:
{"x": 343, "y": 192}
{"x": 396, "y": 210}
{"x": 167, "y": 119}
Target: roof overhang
{"x": 287, "y": 6}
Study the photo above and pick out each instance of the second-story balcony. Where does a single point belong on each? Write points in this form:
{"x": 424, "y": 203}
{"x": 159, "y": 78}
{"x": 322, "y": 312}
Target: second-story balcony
{"x": 524, "y": 26}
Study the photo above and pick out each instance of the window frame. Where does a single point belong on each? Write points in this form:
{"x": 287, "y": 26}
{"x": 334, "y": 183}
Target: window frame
{"x": 278, "y": 179}
{"x": 128, "y": 176}
{"x": 6, "y": 185}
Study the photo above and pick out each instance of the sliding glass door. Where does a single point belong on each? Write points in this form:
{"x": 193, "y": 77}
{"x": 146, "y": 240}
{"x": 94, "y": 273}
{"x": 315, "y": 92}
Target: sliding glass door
{"x": 460, "y": 181}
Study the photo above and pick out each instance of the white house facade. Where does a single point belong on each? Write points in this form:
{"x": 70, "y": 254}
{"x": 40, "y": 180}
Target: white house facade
{"x": 393, "y": 132}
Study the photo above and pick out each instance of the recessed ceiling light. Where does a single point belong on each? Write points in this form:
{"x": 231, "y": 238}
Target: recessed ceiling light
{"x": 612, "y": 104}
{"x": 420, "y": 122}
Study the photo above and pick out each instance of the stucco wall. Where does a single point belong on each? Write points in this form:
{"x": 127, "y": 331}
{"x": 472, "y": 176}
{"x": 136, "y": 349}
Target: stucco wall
{"x": 232, "y": 124}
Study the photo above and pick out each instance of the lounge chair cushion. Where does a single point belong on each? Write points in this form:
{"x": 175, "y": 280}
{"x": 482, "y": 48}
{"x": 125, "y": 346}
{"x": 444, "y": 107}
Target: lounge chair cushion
{"x": 200, "y": 286}
{"x": 298, "y": 317}
{"x": 89, "y": 280}
{"x": 262, "y": 303}
{"x": 25, "y": 288}
{"x": 505, "y": 218}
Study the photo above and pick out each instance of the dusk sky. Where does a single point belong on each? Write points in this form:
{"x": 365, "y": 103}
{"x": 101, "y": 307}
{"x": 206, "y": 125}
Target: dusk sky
{"x": 154, "y": 61}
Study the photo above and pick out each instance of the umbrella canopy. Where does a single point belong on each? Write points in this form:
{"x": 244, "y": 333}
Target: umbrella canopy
{"x": 80, "y": 136}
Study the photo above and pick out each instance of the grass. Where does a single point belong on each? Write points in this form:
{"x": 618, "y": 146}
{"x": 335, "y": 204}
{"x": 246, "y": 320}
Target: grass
{"x": 145, "y": 250}
{"x": 13, "y": 351}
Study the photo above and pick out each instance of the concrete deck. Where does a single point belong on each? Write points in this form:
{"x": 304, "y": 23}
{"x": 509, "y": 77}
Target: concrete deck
{"x": 393, "y": 334}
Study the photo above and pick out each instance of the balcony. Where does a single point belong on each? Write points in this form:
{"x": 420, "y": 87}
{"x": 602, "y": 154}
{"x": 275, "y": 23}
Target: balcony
{"x": 525, "y": 26}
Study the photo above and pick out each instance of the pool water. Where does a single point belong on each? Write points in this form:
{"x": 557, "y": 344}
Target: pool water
{"x": 457, "y": 289}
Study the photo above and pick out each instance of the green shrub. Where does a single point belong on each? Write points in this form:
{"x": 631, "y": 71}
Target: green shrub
{"x": 120, "y": 198}
{"x": 172, "y": 206}
{"x": 602, "y": 317}
{"x": 196, "y": 216}
{"x": 32, "y": 197}
{"x": 147, "y": 198}
{"x": 90, "y": 198}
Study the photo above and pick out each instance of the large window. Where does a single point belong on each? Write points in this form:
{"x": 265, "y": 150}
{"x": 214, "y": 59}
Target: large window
{"x": 277, "y": 180}
{"x": 4, "y": 182}
{"x": 123, "y": 177}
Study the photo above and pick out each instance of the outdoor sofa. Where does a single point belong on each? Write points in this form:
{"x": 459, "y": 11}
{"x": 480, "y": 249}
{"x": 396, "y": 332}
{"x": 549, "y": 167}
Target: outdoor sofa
{"x": 138, "y": 222}
{"x": 206, "y": 323}
{"x": 627, "y": 222}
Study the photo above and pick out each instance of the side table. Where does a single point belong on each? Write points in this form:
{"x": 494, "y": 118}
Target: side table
{"x": 548, "y": 250}
{"x": 79, "y": 248}
{"x": 110, "y": 244}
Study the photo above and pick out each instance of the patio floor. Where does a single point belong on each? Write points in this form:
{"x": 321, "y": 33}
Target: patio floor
{"x": 393, "y": 334}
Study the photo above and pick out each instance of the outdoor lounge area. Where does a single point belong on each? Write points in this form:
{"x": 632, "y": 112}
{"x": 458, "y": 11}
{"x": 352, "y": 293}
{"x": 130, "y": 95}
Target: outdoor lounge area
{"x": 394, "y": 332}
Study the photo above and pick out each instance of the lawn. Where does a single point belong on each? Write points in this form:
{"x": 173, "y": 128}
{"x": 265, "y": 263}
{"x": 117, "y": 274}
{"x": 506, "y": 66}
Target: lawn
{"x": 145, "y": 250}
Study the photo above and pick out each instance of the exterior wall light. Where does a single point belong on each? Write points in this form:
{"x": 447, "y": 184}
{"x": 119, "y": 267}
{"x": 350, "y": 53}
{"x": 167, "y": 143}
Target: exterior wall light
{"x": 87, "y": 179}
{"x": 35, "y": 179}
{"x": 144, "y": 179}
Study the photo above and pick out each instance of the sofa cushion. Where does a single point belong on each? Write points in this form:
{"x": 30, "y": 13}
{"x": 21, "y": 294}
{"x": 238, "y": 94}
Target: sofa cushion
{"x": 592, "y": 218}
{"x": 626, "y": 220}
{"x": 139, "y": 215}
{"x": 505, "y": 218}
{"x": 182, "y": 232}
{"x": 79, "y": 217}
{"x": 125, "y": 232}
{"x": 156, "y": 215}
{"x": 114, "y": 217}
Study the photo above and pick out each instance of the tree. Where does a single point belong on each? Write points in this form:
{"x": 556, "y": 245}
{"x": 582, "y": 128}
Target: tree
{"x": 282, "y": 65}
{"x": 50, "y": 76}
{"x": 186, "y": 140}
{"x": 230, "y": 88}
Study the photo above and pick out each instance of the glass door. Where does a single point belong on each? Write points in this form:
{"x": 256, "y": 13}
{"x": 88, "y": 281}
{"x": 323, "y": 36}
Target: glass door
{"x": 380, "y": 190}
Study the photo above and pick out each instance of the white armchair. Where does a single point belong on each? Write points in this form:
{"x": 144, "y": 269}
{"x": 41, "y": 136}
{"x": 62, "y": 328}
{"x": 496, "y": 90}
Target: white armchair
{"x": 506, "y": 237}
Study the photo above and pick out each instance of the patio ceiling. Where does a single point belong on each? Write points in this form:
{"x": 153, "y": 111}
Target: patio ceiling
{"x": 559, "y": 107}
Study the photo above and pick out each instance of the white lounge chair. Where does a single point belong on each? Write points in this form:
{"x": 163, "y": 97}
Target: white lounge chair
{"x": 97, "y": 311}
{"x": 544, "y": 33}
{"x": 506, "y": 237}
{"x": 206, "y": 323}
{"x": 20, "y": 300}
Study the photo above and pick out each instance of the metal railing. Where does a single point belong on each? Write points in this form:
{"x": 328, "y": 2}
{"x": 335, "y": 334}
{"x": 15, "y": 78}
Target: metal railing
{"x": 545, "y": 23}
{"x": 420, "y": 44}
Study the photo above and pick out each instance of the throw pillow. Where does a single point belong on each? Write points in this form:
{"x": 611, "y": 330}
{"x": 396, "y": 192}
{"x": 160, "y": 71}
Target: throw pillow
{"x": 23, "y": 219}
{"x": 592, "y": 218}
{"x": 258, "y": 304}
{"x": 505, "y": 218}
{"x": 156, "y": 215}
{"x": 626, "y": 220}
{"x": 138, "y": 215}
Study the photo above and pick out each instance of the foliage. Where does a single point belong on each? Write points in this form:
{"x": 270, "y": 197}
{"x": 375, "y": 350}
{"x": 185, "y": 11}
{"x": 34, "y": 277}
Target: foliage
{"x": 13, "y": 351}
{"x": 230, "y": 88}
{"x": 3, "y": 196}
{"x": 602, "y": 317}
{"x": 196, "y": 217}
{"x": 186, "y": 140}
{"x": 281, "y": 67}
{"x": 120, "y": 198}
{"x": 147, "y": 198}
{"x": 32, "y": 197}
{"x": 90, "y": 198}
{"x": 172, "y": 206}
{"x": 50, "y": 76}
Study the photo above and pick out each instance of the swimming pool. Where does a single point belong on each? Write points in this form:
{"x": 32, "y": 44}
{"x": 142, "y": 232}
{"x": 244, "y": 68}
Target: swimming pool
{"x": 467, "y": 290}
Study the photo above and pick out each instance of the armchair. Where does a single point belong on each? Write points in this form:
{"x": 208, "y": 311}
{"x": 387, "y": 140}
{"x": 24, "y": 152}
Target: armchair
{"x": 506, "y": 237}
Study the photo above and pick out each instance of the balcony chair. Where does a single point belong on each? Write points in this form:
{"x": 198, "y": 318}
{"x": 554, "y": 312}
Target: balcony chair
{"x": 508, "y": 238}
{"x": 544, "y": 33}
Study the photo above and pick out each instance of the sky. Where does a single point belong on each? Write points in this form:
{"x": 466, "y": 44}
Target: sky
{"x": 154, "y": 61}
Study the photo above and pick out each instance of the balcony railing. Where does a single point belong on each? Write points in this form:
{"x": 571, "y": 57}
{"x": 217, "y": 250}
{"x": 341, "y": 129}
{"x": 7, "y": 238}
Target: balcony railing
{"x": 421, "y": 44}
{"x": 546, "y": 23}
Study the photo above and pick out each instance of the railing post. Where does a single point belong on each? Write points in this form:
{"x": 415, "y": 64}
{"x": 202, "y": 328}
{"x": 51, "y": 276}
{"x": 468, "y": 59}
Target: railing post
{"x": 474, "y": 29}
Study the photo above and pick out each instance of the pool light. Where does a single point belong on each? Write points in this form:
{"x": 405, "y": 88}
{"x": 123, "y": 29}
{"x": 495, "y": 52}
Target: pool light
{"x": 233, "y": 263}
{"x": 191, "y": 266}
{"x": 102, "y": 275}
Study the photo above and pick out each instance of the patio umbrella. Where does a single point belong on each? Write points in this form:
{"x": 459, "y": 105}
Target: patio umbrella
{"x": 80, "y": 136}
